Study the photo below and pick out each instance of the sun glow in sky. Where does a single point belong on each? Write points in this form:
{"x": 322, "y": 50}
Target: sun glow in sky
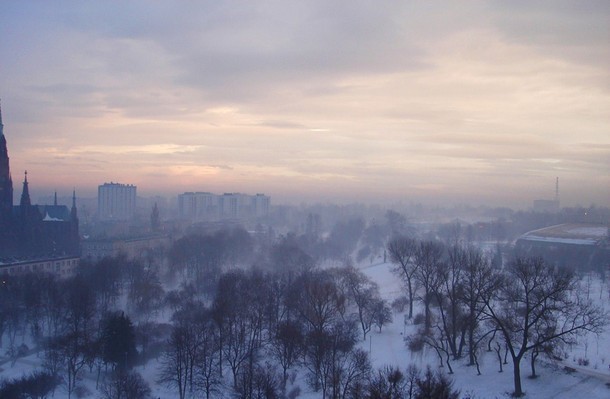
{"x": 482, "y": 101}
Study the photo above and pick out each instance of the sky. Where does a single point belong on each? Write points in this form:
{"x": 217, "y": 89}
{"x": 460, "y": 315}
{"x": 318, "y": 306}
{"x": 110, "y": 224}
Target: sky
{"x": 481, "y": 102}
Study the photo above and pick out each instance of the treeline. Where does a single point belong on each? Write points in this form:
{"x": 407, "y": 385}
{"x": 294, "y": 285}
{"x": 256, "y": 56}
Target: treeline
{"x": 77, "y": 324}
{"x": 257, "y": 317}
{"x": 248, "y": 330}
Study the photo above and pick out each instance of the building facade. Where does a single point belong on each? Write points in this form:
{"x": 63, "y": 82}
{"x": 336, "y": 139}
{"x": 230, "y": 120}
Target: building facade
{"x": 204, "y": 206}
{"x": 579, "y": 246}
{"x": 62, "y": 267}
{"x": 132, "y": 248}
{"x": 28, "y": 231}
{"x": 116, "y": 201}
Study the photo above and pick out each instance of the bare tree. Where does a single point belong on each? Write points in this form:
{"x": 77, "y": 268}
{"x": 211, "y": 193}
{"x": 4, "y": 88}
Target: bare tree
{"x": 77, "y": 331}
{"x": 534, "y": 294}
{"x": 239, "y": 310}
{"x": 448, "y": 293}
{"x": 208, "y": 356}
{"x": 145, "y": 291}
{"x": 178, "y": 361}
{"x": 316, "y": 299}
{"x": 434, "y": 385}
{"x": 428, "y": 257}
{"x": 478, "y": 280}
{"x": 402, "y": 252}
{"x": 340, "y": 365}
{"x": 388, "y": 383}
{"x": 191, "y": 361}
{"x": 363, "y": 292}
{"x": 126, "y": 385}
{"x": 287, "y": 346}
{"x": 381, "y": 313}
{"x": 436, "y": 339}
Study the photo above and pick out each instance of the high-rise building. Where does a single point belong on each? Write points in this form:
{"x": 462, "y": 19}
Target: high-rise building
{"x": 116, "y": 201}
{"x": 198, "y": 206}
{"x": 202, "y": 206}
{"x": 260, "y": 204}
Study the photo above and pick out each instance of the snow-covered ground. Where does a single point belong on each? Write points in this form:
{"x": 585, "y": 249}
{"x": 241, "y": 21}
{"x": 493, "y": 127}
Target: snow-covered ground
{"x": 388, "y": 348}
{"x": 554, "y": 382}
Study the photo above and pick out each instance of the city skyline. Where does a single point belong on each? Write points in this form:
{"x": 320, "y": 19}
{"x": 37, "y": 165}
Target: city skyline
{"x": 478, "y": 102}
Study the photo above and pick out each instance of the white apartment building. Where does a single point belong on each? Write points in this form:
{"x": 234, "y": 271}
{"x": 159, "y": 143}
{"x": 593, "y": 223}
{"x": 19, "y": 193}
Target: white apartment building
{"x": 200, "y": 206}
{"x": 260, "y": 204}
{"x": 116, "y": 201}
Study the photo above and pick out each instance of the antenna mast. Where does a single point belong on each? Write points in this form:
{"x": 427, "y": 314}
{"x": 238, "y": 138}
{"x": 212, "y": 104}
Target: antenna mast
{"x": 557, "y": 190}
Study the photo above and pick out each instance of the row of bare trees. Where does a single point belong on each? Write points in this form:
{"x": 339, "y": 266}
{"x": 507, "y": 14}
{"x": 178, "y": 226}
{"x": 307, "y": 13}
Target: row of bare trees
{"x": 74, "y": 321}
{"x": 528, "y": 307}
{"x": 261, "y": 325}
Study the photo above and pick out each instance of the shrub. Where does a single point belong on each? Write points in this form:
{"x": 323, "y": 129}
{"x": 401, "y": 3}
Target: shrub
{"x": 415, "y": 344}
{"x": 399, "y": 304}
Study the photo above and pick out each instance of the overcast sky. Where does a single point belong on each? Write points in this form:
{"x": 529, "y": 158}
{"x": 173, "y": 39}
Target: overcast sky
{"x": 467, "y": 101}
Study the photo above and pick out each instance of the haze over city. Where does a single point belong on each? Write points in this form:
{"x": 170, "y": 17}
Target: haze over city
{"x": 479, "y": 102}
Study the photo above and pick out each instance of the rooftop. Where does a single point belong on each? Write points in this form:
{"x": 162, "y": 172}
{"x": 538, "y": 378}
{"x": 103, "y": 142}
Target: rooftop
{"x": 569, "y": 233}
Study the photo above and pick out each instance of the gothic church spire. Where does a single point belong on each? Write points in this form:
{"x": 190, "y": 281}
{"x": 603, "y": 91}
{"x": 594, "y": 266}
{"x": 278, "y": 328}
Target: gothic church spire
{"x": 73, "y": 212}
{"x": 25, "y": 194}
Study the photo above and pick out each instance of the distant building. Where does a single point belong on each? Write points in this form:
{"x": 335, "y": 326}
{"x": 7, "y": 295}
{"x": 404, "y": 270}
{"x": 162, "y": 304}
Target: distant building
{"x": 116, "y": 202}
{"x": 198, "y": 206}
{"x": 260, "y": 205}
{"x": 133, "y": 247}
{"x": 63, "y": 267}
{"x": 546, "y": 205}
{"x": 27, "y": 231}
{"x": 575, "y": 245}
{"x": 204, "y": 206}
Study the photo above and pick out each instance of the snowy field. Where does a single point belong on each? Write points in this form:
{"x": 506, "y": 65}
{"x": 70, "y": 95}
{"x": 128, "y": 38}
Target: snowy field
{"x": 388, "y": 348}
{"x": 553, "y": 381}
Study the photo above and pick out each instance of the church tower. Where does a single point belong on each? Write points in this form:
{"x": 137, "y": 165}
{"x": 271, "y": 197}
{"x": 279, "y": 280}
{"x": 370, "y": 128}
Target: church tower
{"x": 25, "y": 193}
{"x": 6, "y": 182}
{"x": 74, "y": 234}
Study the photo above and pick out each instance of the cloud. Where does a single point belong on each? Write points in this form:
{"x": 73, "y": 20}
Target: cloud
{"x": 355, "y": 98}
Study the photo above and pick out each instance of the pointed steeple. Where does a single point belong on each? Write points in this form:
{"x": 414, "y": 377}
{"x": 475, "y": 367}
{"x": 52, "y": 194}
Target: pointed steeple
{"x": 75, "y": 240}
{"x": 73, "y": 212}
{"x": 25, "y": 194}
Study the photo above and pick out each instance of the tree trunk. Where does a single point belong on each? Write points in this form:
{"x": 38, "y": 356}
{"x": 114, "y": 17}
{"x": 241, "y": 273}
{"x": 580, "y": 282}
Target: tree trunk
{"x": 440, "y": 356}
{"x": 220, "y": 352}
{"x": 517, "y": 377}
{"x": 427, "y": 318}
{"x": 410, "y": 299}
{"x": 448, "y": 364}
{"x": 471, "y": 354}
{"x": 533, "y": 356}
{"x": 499, "y": 357}
{"x": 476, "y": 362}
